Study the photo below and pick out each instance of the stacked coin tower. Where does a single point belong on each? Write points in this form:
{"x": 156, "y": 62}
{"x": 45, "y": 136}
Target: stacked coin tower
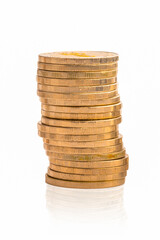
{"x": 81, "y": 111}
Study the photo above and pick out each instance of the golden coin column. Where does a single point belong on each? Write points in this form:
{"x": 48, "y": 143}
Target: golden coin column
{"x": 81, "y": 111}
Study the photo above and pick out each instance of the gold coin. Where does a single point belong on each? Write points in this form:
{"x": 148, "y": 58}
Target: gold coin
{"x": 102, "y": 74}
{"x": 81, "y": 124}
{"x": 83, "y": 185}
{"x": 90, "y": 164}
{"x": 103, "y": 143}
{"x": 80, "y": 103}
{"x": 78, "y": 138}
{"x": 87, "y": 89}
{"x": 75, "y": 82}
{"x": 69, "y": 150}
{"x": 75, "y": 131}
{"x": 87, "y": 157}
{"x": 92, "y": 109}
{"x": 80, "y": 96}
{"x": 79, "y": 57}
{"x": 81, "y": 116}
{"x": 89, "y": 171}
{"x": 88, "y": 178}
{"x": 73, "y": 75}
{"x": 65, "y": 67}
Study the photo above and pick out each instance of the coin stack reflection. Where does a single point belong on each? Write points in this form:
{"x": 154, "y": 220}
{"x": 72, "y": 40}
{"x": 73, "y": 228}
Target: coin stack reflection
{"x": 81, "y": 111}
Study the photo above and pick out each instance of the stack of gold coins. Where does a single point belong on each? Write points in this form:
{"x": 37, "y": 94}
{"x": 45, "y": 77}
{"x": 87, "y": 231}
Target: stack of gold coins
{"x": 81, "y": 111}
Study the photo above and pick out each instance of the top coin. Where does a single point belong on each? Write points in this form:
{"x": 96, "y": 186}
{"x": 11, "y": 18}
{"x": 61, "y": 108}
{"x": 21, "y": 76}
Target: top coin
{"x": 79, "y": 57}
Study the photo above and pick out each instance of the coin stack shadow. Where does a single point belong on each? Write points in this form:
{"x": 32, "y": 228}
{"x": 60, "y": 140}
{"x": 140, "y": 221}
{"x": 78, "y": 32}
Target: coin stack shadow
{"x": 81, "y": 111}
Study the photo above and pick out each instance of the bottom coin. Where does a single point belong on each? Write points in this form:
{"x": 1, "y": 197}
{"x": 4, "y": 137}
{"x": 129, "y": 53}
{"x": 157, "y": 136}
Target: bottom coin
{"x": 81, "y": 177}
{"x": 85, "y": 171}
{"x": 83, "y": 185}
{"x": 90, "y": 164}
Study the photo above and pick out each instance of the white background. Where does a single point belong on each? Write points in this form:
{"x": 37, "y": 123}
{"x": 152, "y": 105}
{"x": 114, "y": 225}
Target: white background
{"x": 28, "y": 208}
